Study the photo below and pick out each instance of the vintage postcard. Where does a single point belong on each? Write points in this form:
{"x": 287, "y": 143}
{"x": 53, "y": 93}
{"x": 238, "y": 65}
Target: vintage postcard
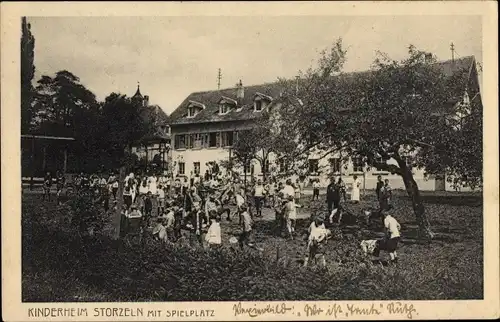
{"x": 248, "y": 161}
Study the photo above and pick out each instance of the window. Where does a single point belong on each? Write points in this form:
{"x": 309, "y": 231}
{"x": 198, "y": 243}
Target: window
{"x": 266, "y": 167}
{"x": 313, "y": 166}
{"x": 180, "y": 141}
{"x": 182, "y": 168}
{"x": 357, "y": 164}
{"x": 196, "y": 166}
{"x": 189, "y": 141}
{"x": 283, "y": 165}
{"x": 258, "y": 105}
{"x": 335, "y": 165}
{"x": 192, "y": 111}
{"x": 227, "y": 138}
{"x": 196, "y": 141}
{"x": 247, "y": 167}
{"x": 212, "y": 139}
{"x": 223, "y": 108}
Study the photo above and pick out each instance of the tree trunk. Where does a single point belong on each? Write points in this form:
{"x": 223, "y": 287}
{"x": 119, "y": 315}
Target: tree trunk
{"x": 118, "y": 216}
{"x": 416, "y": 200}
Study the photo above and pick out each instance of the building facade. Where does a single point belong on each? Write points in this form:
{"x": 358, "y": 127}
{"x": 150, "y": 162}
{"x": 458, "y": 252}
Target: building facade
{"x": 206, "y": 125}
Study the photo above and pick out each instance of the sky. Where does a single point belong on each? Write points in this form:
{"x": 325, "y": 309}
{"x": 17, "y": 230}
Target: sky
{"x": 172, "y": 57}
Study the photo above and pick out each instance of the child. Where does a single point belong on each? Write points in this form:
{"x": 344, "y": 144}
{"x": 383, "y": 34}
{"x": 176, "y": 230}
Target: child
{"x": 159, "y": 231}
{"x": 291, "y": 215}
{"x": 127, "y": 195}
{"x": 315, "y": 186}
{"x": 213, "y": 236}
{"x": 392, "y": 235}
{"x": 316, "y": 242}
{"x": 246, "y": 228}
{"x": 143, "y": 191}
{"x": 197, "y": 224}
{"x": 297, "y": 190}
{"x": 161, "y": 199}
{"x": 148, "y": 205}
{"x": 47, "y": 184}
{"x": 240, "y": 203}
{"x": 385, "y": 196}
{"x": 317, "y": 223}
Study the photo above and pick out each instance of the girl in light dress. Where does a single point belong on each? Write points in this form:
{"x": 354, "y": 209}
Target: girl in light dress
{"x": 355, "y": 189}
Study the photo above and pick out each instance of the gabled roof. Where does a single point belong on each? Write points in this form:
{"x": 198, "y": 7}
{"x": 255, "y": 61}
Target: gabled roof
{"x": 246, "y": 112}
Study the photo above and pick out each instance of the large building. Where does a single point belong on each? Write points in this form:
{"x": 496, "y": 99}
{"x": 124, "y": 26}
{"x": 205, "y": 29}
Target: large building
{"x": 205, "y": 126}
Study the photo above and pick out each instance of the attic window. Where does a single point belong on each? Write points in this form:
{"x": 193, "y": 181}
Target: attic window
{"x": 225, "y": 104}
{"x": 194, "y": 108}
{"x": 192, "y": 111}
{"x": 259, "y": 105}
{"x": 261, "y": 101}
{"x": 223, "y": 108}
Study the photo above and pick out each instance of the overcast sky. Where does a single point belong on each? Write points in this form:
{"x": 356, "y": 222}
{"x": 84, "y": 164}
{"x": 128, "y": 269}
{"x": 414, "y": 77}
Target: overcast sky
{"x": 174, "y": 56}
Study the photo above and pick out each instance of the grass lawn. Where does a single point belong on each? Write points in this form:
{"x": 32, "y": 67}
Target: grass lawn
{"x": 57, "y": 265}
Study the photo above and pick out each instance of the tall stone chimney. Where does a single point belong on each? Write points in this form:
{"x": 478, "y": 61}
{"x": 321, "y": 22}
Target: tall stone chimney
{"x": 240, "y": 91}
{"x": 146, "y": 101}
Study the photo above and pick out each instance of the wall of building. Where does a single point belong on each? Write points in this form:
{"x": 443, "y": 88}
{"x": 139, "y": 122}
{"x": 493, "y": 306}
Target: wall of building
{"x": 368, "y": 177}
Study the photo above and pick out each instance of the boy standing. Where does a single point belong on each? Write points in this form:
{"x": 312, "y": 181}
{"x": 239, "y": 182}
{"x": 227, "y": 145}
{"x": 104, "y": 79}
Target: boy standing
{"x": 385, "y": 196}
{"x": 392, "y": 233}
{"x": 246, "y": 228}
{"x": 161, "y": 199}
{"x": 148, "y": 205}
{"x": 315, "y": 186}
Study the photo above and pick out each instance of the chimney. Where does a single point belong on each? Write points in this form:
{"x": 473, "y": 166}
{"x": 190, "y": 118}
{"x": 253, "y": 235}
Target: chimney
{"x": 297, "y": 85}
{"x": 240, "y": 91}
{"x": 146, "y": 101}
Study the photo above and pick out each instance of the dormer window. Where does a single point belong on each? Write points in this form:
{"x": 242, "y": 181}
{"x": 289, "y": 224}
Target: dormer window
{"x": 261, "y": 101}
{"x": 194, "y": 108}
{"x": 223, "y": 109}
{"x": 192, "y": 111}
{"x": 225, "y": 104}
{"x": 258, "y": 105}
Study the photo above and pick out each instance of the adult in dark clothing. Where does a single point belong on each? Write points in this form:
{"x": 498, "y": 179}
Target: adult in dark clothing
{"x": 380, "y": 184}
{"x": 332, "y": 196}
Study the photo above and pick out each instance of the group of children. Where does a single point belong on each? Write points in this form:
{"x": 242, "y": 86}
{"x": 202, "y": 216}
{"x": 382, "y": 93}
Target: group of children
{"x": 199, "y": 207}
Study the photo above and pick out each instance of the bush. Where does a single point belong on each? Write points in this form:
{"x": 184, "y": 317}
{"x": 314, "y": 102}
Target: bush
{"x": 87, "y": 213}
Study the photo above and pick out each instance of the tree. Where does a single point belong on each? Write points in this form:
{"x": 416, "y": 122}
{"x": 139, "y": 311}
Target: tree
{"x": 120, "y": 126}
{"x": 391, "y": 117}
{"x": 244, "y": 150}
{"x": 27, "y": 74}
{"x": 62, "y": 103}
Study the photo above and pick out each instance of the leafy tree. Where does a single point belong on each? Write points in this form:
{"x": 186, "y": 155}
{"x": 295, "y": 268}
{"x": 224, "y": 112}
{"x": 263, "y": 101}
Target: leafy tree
{"x": 244, "y": 150}
{"x": 61, "y": 103}
{"x": 27, "y": 74}
{"x": 392, "y": 118}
